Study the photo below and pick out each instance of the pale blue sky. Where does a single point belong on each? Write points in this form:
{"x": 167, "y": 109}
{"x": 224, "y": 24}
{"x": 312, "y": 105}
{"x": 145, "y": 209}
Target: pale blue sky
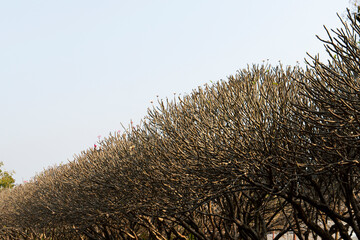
{"x": 73, "y": 70}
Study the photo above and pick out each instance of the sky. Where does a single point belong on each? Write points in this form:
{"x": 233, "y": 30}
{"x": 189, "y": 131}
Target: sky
{"x": 72, "y": 72}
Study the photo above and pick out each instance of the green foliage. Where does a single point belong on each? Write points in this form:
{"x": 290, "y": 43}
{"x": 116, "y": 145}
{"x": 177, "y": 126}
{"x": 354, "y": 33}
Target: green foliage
{"x": 6, "y": 179}
{"x": 191, "y": 237}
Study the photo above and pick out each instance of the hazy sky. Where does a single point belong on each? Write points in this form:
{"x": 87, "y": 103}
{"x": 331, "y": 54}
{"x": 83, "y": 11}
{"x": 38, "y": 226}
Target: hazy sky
{"x": 73, "y": 70}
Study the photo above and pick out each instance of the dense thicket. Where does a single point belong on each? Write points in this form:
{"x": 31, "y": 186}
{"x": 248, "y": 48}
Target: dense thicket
{"x": 271, "y": 149}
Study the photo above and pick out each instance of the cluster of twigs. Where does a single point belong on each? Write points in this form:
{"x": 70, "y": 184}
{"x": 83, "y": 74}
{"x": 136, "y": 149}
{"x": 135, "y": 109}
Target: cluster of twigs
{"x": 272, "y": 149}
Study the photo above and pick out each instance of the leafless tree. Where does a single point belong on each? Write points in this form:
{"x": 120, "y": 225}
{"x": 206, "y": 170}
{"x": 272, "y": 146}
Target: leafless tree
{"x": 270, "y": 149}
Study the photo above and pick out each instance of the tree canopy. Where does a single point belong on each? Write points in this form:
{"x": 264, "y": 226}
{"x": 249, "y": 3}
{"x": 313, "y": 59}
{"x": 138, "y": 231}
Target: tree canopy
{"x": 272, "y": 150}
{"x": 6, "y": 179}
